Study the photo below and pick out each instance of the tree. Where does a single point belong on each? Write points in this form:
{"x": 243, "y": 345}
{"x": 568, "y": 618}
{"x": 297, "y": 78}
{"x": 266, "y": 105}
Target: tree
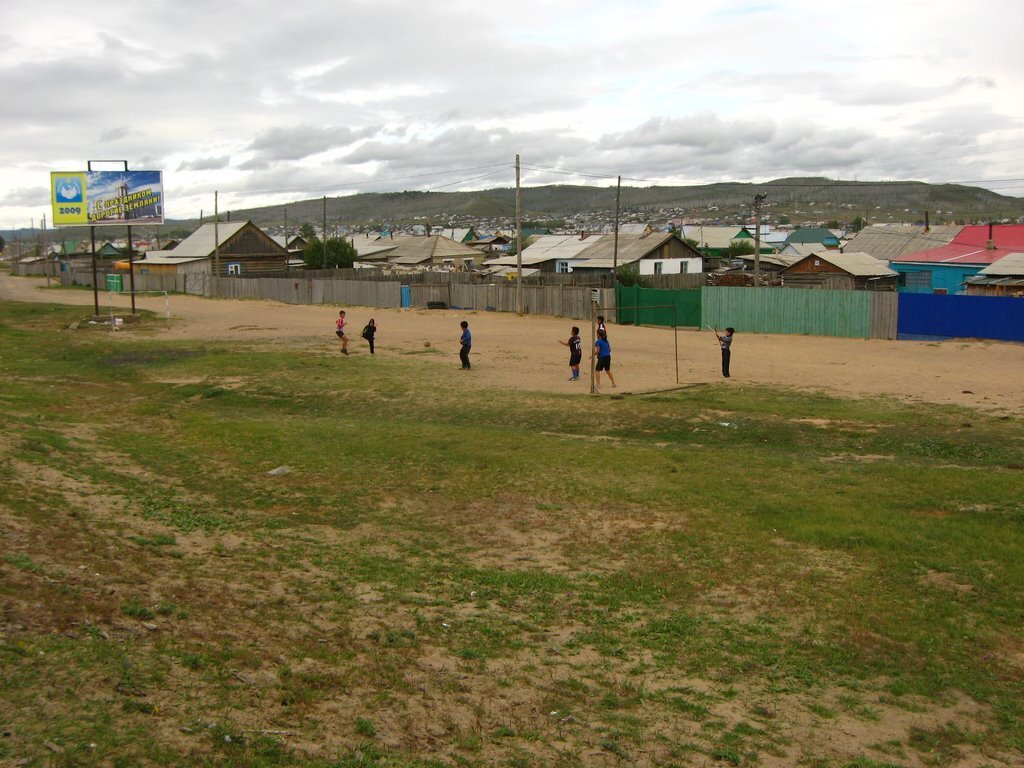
{"x": 629, "y": 274}
{"x": 739, "y": 248}
{"x": 340, "y": 253}
{"x": 1, "y": 243}
{"x": 858, "y": 224}
{"x": 833, "y": 224}
{"x": 308, "y": 231}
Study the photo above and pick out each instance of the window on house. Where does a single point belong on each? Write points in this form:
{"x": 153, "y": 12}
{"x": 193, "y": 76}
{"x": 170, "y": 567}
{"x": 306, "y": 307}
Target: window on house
{"x": 920, "y": 280}
{"x": 657, "y": 267}
{"x": 234, "y": 268}
{"x": 561, "y": 267}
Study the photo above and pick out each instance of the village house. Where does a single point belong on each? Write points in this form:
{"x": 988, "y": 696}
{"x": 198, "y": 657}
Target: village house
{"x": 229, "y": 248}
{"x": 824, "y": 238}
{"x": 834, "y": 270}
{"x": 946, "y": 268}
{"x": 653, "y": 253}
{"x": 429, "y": 251}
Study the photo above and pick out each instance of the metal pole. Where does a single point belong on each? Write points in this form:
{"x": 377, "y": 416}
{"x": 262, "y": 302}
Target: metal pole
{"x": 325, "y": 233}
{"x": 131, "y": 268}
{"x": 43, "y": 253}
{"x": 95, "y": 279}
{"x": 675, "y": 334}
{"x": 519, "y": 245}
{"x": 593, "y": 340}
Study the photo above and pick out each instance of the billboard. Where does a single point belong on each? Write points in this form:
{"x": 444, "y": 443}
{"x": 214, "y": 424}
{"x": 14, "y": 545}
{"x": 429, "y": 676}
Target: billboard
{"x": 99, "y": 198}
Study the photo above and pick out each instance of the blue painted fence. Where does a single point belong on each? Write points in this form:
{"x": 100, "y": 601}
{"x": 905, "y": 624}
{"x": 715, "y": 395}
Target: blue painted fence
{"x": 968, "y": 317}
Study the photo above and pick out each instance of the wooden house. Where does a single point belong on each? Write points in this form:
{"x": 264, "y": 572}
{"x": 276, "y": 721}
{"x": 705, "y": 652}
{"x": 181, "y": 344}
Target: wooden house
{"x": 651, "y": 253}
{"x": 228, "y": 248}
{"x": 432, "y": 252}
{"x": 834, "y": 270}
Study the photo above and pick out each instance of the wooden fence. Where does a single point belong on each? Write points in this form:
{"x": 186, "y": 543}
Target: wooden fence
{"x": 556, "y": 300}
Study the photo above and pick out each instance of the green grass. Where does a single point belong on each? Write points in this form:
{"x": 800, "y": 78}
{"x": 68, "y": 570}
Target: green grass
{"x": 451, "y": 575}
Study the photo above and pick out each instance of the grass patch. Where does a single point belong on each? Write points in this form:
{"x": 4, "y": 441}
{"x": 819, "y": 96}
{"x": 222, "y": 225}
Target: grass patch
{"x": 432, "y": 575}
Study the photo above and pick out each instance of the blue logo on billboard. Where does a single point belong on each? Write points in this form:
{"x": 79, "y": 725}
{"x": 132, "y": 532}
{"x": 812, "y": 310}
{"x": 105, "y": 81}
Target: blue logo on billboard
{"x": 69, "y": 189}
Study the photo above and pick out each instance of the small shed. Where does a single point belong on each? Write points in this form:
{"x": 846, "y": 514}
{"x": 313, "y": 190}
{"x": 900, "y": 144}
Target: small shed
{"x": 834, "y": 270}
{"x": 1001, "y": 278}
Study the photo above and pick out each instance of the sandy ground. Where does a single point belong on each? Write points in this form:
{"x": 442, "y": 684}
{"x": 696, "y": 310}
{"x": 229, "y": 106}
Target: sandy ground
{"x": 524, "y": 353}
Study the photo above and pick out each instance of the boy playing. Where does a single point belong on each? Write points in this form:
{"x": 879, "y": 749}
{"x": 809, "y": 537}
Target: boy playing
{"x": 342, "y": 323}
{"x": 575, "y": 352}
{"x": 466, "y": 342}
{"x": 603, "y": 353}
{"x": 726, "y": 343}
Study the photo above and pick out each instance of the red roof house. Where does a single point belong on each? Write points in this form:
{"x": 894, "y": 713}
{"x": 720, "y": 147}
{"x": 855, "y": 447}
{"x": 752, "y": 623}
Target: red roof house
{"x": 945, "y": 269}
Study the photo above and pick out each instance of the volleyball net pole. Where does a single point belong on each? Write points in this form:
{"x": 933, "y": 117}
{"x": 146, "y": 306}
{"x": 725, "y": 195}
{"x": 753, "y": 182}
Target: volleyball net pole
{"x": 595, "y": 308}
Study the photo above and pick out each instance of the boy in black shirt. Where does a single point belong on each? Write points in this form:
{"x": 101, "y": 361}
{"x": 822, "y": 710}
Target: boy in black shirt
{"x": 575, "y": 352}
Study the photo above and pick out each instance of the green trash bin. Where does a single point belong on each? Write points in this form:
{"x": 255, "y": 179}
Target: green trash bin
{"x": 114, "y": 283}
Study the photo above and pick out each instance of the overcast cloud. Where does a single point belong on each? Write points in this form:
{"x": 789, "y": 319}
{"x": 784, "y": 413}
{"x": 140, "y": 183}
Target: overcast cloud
{"x": 268, "y": 102}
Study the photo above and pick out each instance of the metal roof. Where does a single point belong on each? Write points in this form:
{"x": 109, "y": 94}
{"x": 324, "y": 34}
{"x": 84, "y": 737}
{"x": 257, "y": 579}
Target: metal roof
{"x": 632, "y": 246}
{"x": 811, "y": 235}
{"x": 712, "y": 237}
{"x": 994, "y": 280}
{"x": 549, "y": 247}
{"x": 1011, "y": 265}
{"x": 413, "y": 249}
{"x": 201, "y": 242}
{"x": 171, "y": 257}
{"x": 856, "y": 264}
{"x": 970, "y": 246}
{"x": 890, "y": 242}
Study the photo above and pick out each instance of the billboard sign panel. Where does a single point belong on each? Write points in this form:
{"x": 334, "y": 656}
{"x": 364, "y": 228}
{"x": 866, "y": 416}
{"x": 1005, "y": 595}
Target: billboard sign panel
{"x": 100, "y": 198}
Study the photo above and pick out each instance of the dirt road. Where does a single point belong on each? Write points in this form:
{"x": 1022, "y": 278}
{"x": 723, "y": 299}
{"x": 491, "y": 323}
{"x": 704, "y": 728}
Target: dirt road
{"x": 523, "y": 352}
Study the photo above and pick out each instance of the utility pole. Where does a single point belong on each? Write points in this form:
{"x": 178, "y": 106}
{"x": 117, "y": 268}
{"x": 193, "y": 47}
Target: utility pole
{"x": 325, "y": 233}
{"x": 519, "y": 245}
{"x": 216, "y": 247}
{"x": 287, "y": 257}
{"x": 758, "y": 199}
{"x": 43, "y": 253}
{"x": 615, "y": 248}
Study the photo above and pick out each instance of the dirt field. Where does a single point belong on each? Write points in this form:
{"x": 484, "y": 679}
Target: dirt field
{"x": 524, "y": 353}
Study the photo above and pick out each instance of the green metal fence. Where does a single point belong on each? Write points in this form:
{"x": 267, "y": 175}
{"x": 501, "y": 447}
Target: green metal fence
{"x": 800, "y": 311}
{"x": 651, "y": 306}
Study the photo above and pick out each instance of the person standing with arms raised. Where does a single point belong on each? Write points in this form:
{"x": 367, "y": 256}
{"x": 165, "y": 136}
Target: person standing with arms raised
{"x": 726, "y": 343}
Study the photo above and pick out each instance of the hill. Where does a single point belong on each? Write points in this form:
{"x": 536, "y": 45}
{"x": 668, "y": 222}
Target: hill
{"x": 790, "y": 200}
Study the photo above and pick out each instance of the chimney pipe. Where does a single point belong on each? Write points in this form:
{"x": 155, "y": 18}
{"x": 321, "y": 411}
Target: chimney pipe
{"x": 927, "y": 226}
{"x": 990, "y": 244}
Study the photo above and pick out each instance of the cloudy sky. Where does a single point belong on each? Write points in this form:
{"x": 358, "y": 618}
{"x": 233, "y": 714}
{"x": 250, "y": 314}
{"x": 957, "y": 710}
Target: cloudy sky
{"x": 267, "y": 103}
